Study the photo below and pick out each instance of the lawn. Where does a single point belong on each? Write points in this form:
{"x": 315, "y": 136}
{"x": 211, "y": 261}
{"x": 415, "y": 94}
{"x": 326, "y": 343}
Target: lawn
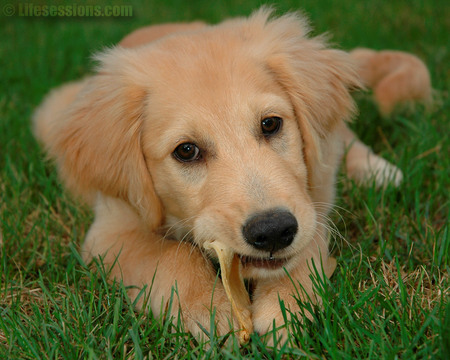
{"x": 389, "y": 296}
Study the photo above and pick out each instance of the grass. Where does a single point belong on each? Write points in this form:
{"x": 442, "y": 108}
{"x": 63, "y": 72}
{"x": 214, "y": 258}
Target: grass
{"x": 389, "y": 295}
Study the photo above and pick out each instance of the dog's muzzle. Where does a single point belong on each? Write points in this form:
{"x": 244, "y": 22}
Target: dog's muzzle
{"x": 271, "y": 230}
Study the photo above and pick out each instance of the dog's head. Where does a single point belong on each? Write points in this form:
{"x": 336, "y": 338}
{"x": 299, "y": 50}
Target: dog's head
{"x": 225, "y": 133}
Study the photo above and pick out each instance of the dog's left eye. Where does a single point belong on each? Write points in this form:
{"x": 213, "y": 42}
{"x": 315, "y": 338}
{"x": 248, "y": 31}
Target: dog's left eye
{"x": 187, "y": 152}
{"x": 271, "y": 125}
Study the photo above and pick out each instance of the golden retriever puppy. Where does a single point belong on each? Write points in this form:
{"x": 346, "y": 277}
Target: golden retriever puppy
{"x": 232, "y": 132}
{"x": 396, "y": 77}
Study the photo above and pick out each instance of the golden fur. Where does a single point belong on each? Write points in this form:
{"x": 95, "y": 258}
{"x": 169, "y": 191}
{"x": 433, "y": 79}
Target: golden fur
{"x": 112, "y": 137}
{"x": 395, "y": 76}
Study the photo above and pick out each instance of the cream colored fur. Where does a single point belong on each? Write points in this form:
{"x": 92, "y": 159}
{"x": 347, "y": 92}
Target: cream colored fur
{"x": 112, "y": 137}
{"x": 397, "y": 78}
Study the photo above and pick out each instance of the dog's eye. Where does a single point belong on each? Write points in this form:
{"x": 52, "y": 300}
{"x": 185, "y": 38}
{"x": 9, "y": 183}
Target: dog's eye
{"x": 187, "y": 152}
{"x": 271, "y": 125}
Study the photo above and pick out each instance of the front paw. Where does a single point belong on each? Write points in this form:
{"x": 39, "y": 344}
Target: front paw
{"x": 208, "y": 315}
{"x": 272, "y": 318}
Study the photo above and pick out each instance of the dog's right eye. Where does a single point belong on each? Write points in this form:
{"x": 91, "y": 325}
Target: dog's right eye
{"x": 187, "y": 152}
{"x": 271, "y": 125}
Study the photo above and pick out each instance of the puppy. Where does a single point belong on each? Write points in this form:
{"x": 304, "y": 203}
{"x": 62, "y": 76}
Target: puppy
{"x": 231, "y": 132}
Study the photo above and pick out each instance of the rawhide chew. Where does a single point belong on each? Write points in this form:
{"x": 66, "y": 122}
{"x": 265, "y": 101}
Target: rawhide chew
{"x": 230, "y": 266}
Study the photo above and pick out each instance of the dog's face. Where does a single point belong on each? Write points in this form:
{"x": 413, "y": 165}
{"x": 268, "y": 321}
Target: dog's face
{"x": 226, "y": 160}
{"x": 217, "y": 135}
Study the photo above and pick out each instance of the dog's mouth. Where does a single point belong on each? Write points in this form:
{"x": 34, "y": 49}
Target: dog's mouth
{"x": 263, "y": 263}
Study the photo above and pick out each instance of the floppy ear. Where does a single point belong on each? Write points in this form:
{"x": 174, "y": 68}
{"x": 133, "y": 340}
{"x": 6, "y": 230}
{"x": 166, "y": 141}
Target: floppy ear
{"x": 317, "y": 79}
{"x": 319, "y": 86}
{"x": 97, "y": 140}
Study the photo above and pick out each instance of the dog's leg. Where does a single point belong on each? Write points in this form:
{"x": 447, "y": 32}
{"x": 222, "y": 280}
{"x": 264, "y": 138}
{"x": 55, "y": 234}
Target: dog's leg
{"x": 296, "y": 286}
{"x": 363, "y": 166}
{"x": 144, "y": 258}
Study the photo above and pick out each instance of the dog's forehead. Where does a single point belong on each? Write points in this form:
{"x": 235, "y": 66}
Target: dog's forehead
{"x": 209, "y": 121}
{"x": 203, "y": 84}
{"x": 213, "y": 59}
{"x": 211, "y": 75}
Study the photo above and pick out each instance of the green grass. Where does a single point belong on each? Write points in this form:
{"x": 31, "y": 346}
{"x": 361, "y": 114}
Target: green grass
{"x": 389, "y": 296}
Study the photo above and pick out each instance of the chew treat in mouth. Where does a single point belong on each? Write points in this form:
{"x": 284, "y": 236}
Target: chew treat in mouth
{"x": 230, "y": 266}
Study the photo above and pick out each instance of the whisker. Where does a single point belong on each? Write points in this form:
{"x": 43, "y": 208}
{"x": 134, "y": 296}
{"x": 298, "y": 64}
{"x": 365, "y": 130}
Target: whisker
{"x": 332, "y": 207}
{"x": 177, "y": 226}
{"x": 193, "y": 246}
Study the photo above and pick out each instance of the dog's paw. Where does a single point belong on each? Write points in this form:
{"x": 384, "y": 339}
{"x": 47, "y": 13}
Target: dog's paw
{"x": 274, "y": 326}
{"x": 272, "y": 317}
{"x": 204, "y": 321}
{"x": 364, "y": 170}
{"x": 384, "y": 172}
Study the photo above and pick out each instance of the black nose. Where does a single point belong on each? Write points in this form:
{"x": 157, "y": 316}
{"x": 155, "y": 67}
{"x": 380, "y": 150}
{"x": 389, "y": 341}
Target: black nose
{"x": 271, "y": 230}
